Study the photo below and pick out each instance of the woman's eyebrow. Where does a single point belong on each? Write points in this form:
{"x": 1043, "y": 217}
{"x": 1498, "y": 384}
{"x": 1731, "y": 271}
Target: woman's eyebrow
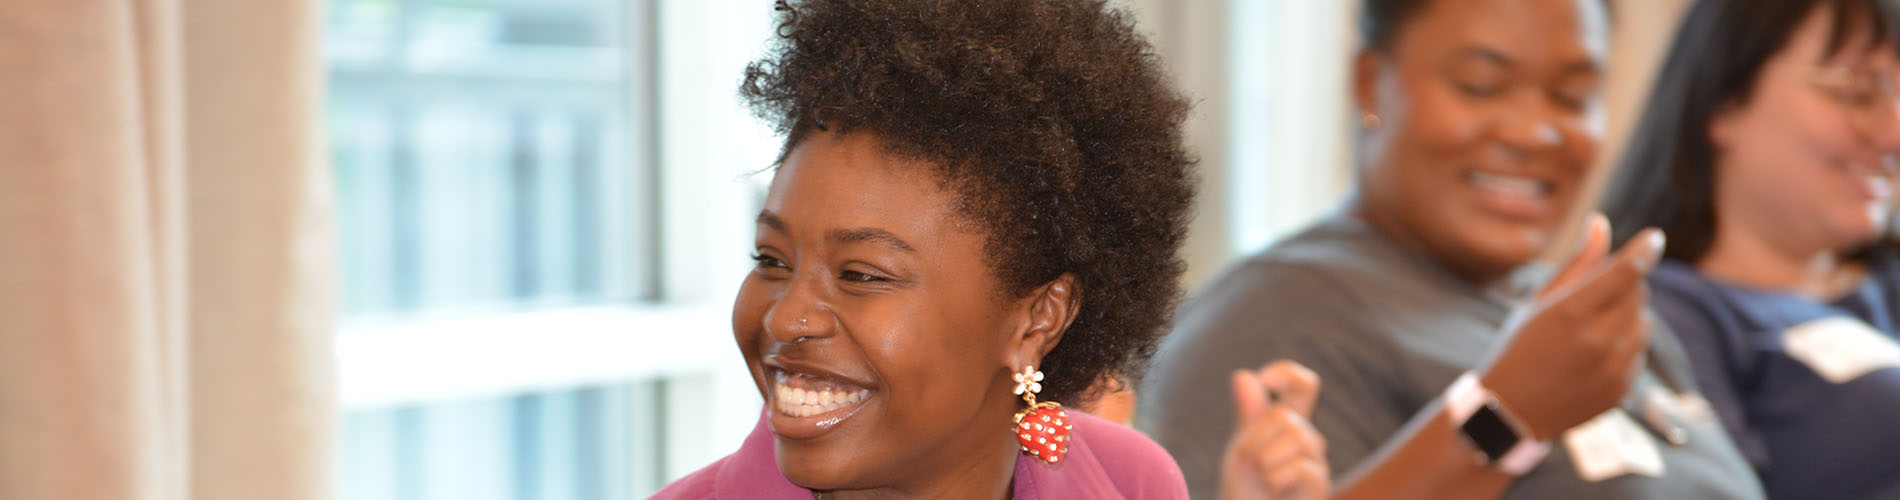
{"x": 1485, "y": 54}
{"x": 1583, "y": 67}
{"x": 871, "y": 234}
{"x": 772, "y": 220}
{"x": 1489, "y": 55}
{"x": 852, "y": 235}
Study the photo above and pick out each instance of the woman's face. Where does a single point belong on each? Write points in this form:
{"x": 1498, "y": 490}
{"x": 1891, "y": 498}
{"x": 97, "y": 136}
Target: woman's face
{"x": 1806, "y": 158}
{"x": 1489, "y": 121}
{"x": 873, "y": 324}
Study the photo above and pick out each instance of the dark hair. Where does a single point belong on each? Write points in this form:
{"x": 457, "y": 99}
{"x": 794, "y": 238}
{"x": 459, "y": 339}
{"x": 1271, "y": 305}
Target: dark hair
{"x": 1381, "y": 20}
{"x": 1051, "y": 119}
{"x": 1666, "y": 177}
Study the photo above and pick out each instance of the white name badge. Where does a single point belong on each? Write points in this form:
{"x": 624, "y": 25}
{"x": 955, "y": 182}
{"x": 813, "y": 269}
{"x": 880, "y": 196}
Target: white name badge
{"x": 1695, "y": 408}
{"x": 1611, "y": 445}
{"x": 1840, "y": 348}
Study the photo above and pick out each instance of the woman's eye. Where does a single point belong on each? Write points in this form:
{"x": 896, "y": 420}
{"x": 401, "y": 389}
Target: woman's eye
{"x": 1857, "y": 95}
{"x": 858, "y": 277}
{"x": 1478, "y": 89}
{"x": 1571, "y": 101}
{"x": 1574, "y": 94}
{"x": 1479, "y": 73}
{"x": 763, "y": 261}
{"x": 1855, "y": 90}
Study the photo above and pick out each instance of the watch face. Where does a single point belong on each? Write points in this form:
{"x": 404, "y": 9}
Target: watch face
{"x": 1487, "y": 429}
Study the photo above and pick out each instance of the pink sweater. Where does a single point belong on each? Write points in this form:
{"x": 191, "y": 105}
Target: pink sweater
{"x": 1105, "y": 461}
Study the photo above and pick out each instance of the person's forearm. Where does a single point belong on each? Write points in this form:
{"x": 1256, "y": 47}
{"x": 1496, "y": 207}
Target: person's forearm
{"x": 1427, "y": 459}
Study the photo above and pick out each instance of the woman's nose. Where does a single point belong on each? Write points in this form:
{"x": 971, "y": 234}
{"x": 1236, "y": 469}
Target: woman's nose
{"x": 1522, "y": 140}
{"x": 1883, "y": 127}
{"x": 801, "y": 314}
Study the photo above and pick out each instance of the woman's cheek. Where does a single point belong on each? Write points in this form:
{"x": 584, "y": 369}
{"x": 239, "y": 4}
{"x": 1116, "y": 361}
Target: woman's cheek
{"x": 1443, "y": 119}
{"x": 1581, "y": 144}
{"x": 748, "y": 315}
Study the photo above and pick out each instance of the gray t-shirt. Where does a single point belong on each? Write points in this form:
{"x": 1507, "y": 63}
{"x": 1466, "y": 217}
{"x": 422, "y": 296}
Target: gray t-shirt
{"x": 1387, "y": 330}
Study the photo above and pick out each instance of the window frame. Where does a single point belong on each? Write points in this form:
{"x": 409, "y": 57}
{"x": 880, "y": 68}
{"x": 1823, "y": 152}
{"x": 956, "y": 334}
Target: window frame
{"x": 704, "y": 166}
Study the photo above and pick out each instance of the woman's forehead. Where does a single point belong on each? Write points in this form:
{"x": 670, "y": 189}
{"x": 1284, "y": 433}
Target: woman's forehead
{"x": 1833, "y": 34}
{"x": 832, "y": 183}
{"x": 1524, "y": 31}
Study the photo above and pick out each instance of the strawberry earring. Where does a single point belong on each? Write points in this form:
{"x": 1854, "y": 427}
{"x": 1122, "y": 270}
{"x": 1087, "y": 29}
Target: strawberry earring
{"x": 1042, "y": 428}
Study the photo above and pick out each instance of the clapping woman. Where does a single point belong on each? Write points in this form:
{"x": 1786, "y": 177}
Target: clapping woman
{"x": 1455, "y": 366}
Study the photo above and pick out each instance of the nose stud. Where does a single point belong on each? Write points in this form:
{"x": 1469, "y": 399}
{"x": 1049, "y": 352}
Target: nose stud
{"x": 802, "y": 321}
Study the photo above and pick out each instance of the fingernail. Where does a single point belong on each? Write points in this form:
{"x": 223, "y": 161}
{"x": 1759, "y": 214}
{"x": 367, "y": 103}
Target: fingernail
{"x": 1652, "y": 250}
{"x": 1583, "y": 233}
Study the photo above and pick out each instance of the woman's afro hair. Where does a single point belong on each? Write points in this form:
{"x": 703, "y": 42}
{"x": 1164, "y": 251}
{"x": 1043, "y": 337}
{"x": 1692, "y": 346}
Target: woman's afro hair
{"x": 1051, "y": 119}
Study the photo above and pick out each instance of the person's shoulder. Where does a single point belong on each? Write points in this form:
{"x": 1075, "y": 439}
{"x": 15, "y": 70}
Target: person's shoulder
{"x": 1678, "y": 277}
{"x": 1689, "y": 302}
{"x": 1338, "y": 244}
{"x": 695, "y": 486}
{"x": 1302, "y": 294}
{"x": 1312, "y": 264}
{"x": 1267, "y": 279}
{"x": 1337, "y": 259}
{"x": 1312, "y": 276}
{"x": 1137, "y": 465}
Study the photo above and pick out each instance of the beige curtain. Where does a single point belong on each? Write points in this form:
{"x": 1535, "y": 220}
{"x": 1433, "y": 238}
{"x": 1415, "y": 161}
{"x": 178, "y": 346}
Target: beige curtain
{"x": 164, "y": 290}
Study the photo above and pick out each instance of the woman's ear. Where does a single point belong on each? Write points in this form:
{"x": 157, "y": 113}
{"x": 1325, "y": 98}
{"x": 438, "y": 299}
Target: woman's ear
{"x": 1043, "y": 315}
{"x": 1365, "y": 81}
{"x": 1722, "y": 125}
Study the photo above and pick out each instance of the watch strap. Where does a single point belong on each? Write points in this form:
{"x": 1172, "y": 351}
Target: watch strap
{"x": 1465, "y": 397}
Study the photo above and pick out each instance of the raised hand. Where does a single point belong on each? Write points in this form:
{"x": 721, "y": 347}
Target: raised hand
{"x": 1275, "y": 453}
{"x": 1579, "y": 347}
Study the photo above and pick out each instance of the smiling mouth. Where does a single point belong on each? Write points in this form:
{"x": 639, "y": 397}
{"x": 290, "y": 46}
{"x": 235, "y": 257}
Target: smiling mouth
{"x": 1519, "y": 198}
{"x": 801, "y": 395}
{"x": 1520, "y": 187}
{"x": 1873, "y": 182}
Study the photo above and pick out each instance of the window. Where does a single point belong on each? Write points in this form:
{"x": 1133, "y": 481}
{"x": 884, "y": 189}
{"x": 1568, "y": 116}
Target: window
{"x": 1287, "y": 116}
{"x": 485, "y": 154}
{"x": 543, "y": 209}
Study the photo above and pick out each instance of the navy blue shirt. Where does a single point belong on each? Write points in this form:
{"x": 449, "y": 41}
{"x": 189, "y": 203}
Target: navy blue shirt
{"x": 1808, "y": 436}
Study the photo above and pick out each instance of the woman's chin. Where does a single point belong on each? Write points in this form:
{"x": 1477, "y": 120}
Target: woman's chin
{"x": 1496, "y": 252}
{"x": 1875, "y": 223}
{"x": 1858, "y": 233}
{"x": 814, "y": 470}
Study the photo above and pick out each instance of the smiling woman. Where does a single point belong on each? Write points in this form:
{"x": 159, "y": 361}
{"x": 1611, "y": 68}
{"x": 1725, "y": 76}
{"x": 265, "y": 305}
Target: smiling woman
{"x": 1455, "y": 367}
{"x": 1772, "y": 162}
{"x": 978, "y": 206}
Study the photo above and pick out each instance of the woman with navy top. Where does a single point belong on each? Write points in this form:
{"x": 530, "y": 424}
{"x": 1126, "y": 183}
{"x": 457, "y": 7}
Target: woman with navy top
{"x": 1768, "y": 156}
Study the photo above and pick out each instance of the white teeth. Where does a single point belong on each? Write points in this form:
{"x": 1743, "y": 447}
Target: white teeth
{"x": 1515, "y": 186}
{"x": 799, "y": 402}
